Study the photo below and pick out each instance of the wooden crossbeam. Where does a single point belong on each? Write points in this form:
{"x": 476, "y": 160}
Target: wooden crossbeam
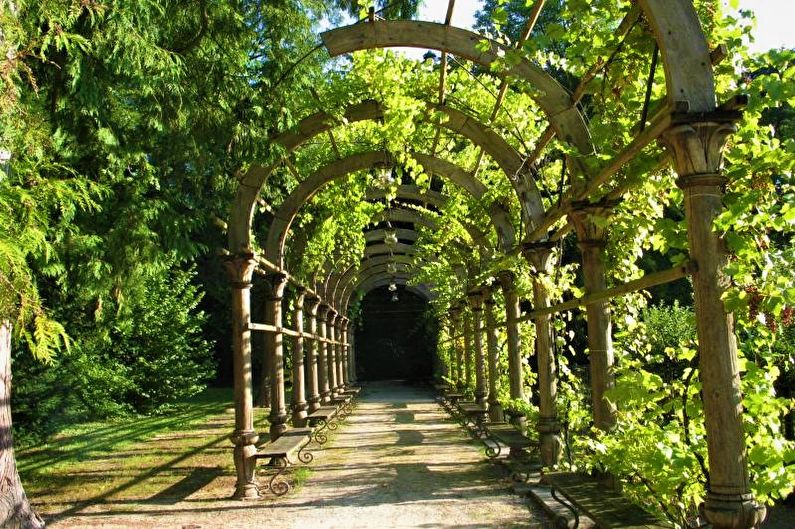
{"x": 623, "y": 29}
{"x": 526, "y": 31}
{"x": 266, "y": 327}
{"x": 443, "y": 76}
{"x": 647, "y": 281}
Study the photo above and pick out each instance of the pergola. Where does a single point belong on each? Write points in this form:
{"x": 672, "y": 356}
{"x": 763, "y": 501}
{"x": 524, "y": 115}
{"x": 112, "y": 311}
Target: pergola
{"x": 691, "y": 125}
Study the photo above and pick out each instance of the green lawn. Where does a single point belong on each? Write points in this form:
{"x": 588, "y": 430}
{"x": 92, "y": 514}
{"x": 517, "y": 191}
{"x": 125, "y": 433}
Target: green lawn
{"x": 165, "y": 458}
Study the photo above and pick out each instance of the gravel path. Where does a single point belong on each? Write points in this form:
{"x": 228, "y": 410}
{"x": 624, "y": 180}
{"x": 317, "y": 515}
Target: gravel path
{"x": 398, "y": 462}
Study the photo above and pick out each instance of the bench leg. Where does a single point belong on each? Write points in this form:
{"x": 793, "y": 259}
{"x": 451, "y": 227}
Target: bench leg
{"x": 305, "y": 457}
{"x": 278, "y": 485}
{"x": 492, "y": 451}
{"x": 320, "y": 436}
{"x": 560, "y": 521}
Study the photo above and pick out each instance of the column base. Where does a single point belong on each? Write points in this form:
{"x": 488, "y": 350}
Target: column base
{"x": 246, "y": 487}
{"x": 495, "y": 411}
{"x": 480, "y": 399}
{"x": 325, "y": 398}
{"x": 299, "y": 415}
{"x": 549, "y": 440}
{"x": 732, "y": 511}
{"x": 278, "y": 425}
{"x": 314, "y": 404}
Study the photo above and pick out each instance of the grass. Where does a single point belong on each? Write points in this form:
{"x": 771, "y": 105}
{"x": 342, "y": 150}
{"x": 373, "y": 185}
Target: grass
{"x": 161, "y": 459}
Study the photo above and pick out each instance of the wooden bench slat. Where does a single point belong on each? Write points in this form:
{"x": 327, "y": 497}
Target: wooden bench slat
{"x": 508, "y": 435}
{"x": 323, "y": 413}
{"x": 604, "y": 506}
{"x": 281, "y": 447}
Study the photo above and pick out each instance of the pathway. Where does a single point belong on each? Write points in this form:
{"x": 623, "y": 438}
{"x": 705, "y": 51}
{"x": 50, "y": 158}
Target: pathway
{"x": 397, "y": 463}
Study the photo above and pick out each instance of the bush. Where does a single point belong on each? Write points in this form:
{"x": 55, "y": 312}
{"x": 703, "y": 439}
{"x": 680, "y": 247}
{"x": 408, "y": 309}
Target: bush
{"x": 161, "y": 343}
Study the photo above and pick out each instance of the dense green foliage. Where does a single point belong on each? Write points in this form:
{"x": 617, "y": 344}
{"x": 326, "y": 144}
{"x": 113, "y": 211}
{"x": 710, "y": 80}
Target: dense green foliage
{"x": 128, "y": 123}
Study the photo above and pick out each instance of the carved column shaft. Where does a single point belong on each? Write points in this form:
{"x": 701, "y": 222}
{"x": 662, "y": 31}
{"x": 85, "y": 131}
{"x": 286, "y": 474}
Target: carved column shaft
{"x": 345, "y": 365}
{"x": 331, "y": 359}
{"x": 299, "y": 387}
{"x": 590, "y": 224}
{"x": 455, "y": 353}
{"x": 468, "y": 378}
{"x": 696, "y": 150}
{"x": 312, "y": 371}
{"x": 495, "y": 409}
{"x": 548, "y": 427}
{"x": 352, "y": 350}
{"x": 244, "y": 437}
{"x": 275, "y": 350}
{"x": 476, "y": 304}
{"x": 340, "y": 353}
{"x": 322, "y": 358}
{"x": 512, "y": 313}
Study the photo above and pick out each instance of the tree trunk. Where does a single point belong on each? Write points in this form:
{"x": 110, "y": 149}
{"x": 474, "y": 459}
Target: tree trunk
{"x": 15, "y": 511}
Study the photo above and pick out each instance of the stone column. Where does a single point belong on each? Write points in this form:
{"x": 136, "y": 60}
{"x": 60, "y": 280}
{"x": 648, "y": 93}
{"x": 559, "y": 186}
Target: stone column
{"x": 345, "y": 365}
{"x": 331, "y": 353}
{"x": 495, "y": 408}
{"x": 275, "y": 350}
{"x": 352, "y": 350}
{"x": 468, "y": 382}
{"x": 540, "y": 256}
{"x": 590, "y": 223}
{"x": 455, "y": 360}
{"x": 299, "y": 389}
{"x": 340, "y": 353}
{"x": 696, "y": 148}
{"x": 476, "y": 304}
{"x": 244, "y": 437}
{"x": 314, "y": 346}
{"x": 322, "y": 358}
{"x": 512, "y": 313}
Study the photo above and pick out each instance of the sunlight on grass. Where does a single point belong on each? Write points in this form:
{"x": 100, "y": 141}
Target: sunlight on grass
{"x": 163, "y": 458}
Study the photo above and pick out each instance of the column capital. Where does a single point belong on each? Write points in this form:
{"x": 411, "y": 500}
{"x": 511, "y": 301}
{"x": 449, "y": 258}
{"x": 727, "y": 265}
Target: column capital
{"x": 590, "y": 221}
{"x": 240, "y": 269}
{"x": 455, "y": 313}
{"x": 278, "y": 282}
{"x": 475, "y": 298}
{"x": 697, "y": 146}
{"x": 538, "y": 253}
{"x": 507, "y": 280}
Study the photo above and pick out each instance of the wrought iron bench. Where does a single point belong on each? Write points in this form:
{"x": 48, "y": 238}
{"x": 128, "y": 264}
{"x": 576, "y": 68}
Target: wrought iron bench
{"x": 344, "y": 405}
{"x": 583, "y": 494}
{"x": 322, "y": 420}
{"x": 278, "y": 454}
{"x": 522, "y": 450}
{"x": 472, "y": 417}
{"x": 448, "y": 400}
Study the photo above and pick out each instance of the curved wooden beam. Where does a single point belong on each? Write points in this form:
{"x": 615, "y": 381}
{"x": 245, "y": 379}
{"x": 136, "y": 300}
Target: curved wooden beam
{"x": 507, "y": 157}
{"x": 553, "y": 99}
{"x": 284, "y": 217}
{"x": 683, "y": 45}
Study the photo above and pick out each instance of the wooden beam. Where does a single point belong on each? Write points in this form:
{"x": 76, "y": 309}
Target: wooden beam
{"x": 526, "y": 31}
{"x": 658, "y": 125}
{"x": 266, "y": 327}
{"x": 443, "y": 76}
{"x": 328, "y": 132}
{"x": 647, "y": 281}
{"x": 623, "y": 29}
